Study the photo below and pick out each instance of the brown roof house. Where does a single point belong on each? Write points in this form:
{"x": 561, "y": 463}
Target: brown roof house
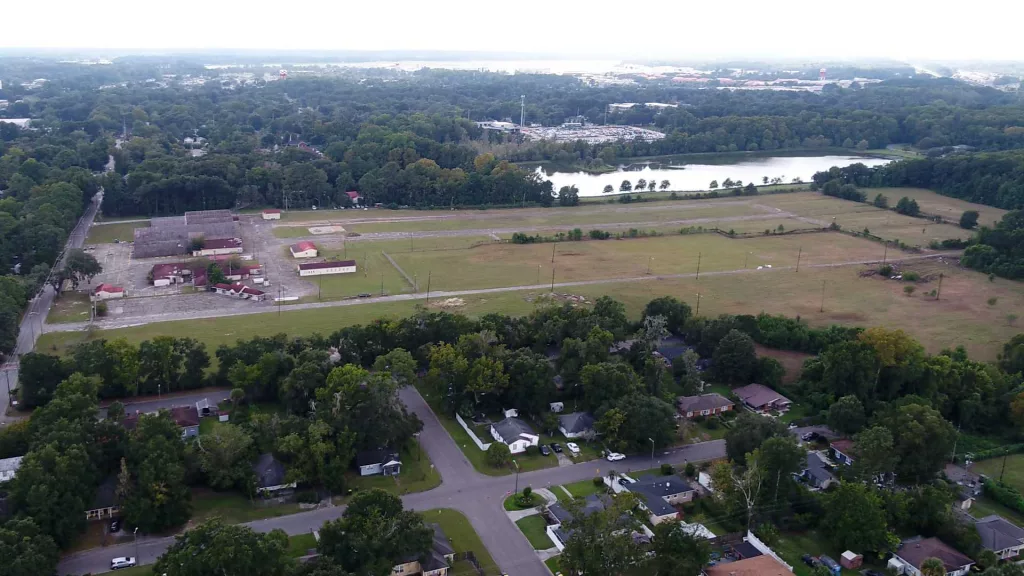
{"x": 703, "y": 405}
{"x": 761, "y": 398}
{"x": 763, "y": 565}
{"x": 186, "y": 417}
{"x": 914, "y": 551}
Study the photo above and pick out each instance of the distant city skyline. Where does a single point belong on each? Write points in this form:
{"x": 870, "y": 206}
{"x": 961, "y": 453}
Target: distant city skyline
{"x": 906, "y": 31}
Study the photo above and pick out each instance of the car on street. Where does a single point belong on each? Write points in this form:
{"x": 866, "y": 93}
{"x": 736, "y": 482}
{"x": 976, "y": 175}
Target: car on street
{"x": 808, "y": 436}
{"x": 615, "y": 456}
{"x": 544, "y": 450}
{"x": 365, "y": 295}
{"x": 122, "y": 562}
{"x": 115, "y": 525}
{"x": 556, "y": 447}
{"x": 572, "y": 447}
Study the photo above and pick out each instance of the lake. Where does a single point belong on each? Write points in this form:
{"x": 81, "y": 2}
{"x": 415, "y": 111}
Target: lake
{"x": 693, "y": 174}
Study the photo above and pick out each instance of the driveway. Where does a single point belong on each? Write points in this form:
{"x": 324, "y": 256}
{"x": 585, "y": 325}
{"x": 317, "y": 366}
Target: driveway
{"x": 476, "y": 495}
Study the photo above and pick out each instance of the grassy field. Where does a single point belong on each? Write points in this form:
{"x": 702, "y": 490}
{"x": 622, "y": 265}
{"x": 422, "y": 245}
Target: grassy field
{"x": 961, "y": 316}
{"x": 993, "y": 468}
{"x": 373, "y": 275}
{"x": 463, "y": 539}
{"x": 301, "y": 544}
{"x": 985, "y": 506}
{"x": 233, "y": 508}
{"x": 499, "y": 265}
{"x": 936, "y": 204}
{"x": 533, "y": 527}
{"x": 70, "y": 307}
{"x": 107, "y": 233}
{"x": 583, "y": 488}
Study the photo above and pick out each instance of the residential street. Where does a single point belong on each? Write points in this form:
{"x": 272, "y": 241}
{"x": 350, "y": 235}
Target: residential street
{"x": 477, "y": 496}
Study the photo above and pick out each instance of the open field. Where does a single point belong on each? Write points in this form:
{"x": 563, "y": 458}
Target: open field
{"x": 533, "y": 527}
{"x": 961, "y": 316}
{"x": 70, "y": 307}
{"x": 993, "y": 468}
{"x": 101, "y": 233}
{"x": 936, "y": 204}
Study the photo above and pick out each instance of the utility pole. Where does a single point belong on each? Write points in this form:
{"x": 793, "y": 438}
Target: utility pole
{"x": 698, "y": 272}
{"x": 697, "y": 311}
{"x": 798, "y": 254}
{"x": 428, "y": 286}
{"x": 278, "y": 301}
{"x": 649, "y": 260}
{"x": 553, "y": 245}
{"x": 320, "y": 288}
{"x": 552, "y": 279}
{"x": 538, "y": 273}
{"x": 652, "y": 452}
{"x": 382, "y": 283}
{"x": 822, "y": 308}
{"x": 886, "y": 253}
{"x": 939, "y": 291}
{"x": 517, "y": 477}
{"x": 745, "y": 257}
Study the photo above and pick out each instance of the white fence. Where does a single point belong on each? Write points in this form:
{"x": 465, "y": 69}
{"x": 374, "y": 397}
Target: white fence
{"x": 479, "y": 443}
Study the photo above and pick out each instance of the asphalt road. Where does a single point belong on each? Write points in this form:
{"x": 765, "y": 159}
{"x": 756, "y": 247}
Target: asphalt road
{"x": 477, "y": 496}
{"x": 33, "y": 322}
{"x": 151, "y": 404}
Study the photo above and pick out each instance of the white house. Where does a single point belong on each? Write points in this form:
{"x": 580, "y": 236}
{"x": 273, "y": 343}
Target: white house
{"x": 907, "y": 559}
{"x": 1000, "y": 536}
{"x": 515, "y": 433}
{"x": 324, "y": 268}
{"x": 219, "y": 246}
{"x": 271, "y": 214}
{"x": 9, "y": 467}
{"x": 107, "y": 292}
{"x": 379, "y": 461}
{"x": 304, "y": 249}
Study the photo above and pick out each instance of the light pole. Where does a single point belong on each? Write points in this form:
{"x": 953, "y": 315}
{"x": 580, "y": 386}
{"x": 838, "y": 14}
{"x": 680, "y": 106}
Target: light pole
{"x": 135, "y": 534}
{"x": 697, "y": 311}
{"x": 32, "y": 324}
{"x": 517, "y": 476}
{"x": 649, "y": 260}
{"x": 652, "y": 452}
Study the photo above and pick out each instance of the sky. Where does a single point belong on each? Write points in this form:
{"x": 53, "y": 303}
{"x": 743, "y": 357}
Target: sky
{"x": 904, "y": 30}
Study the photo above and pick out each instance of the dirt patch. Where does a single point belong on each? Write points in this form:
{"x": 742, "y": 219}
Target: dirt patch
{"x": 317, "y": 230}
{"x": 792, "y": 361}
{"x": 448, "y": 303}
{"x": 553, "y": 297}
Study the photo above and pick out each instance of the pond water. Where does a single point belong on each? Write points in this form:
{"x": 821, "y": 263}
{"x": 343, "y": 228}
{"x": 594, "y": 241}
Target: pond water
{"x": 696, "y": 174}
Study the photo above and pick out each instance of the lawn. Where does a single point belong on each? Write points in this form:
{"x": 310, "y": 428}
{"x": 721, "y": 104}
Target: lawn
{"x": 552, "y": 564}
{"x": 300, "y": 544}
{"x": 792, "y": 545}
{"x": 463, "y": 539}
{"x": 233, "y": 507}
{"x": 993, "y": 468}
{"x": 985, "y": 506}
{"x": 962, "y": 315}
{"x": 106, "y": 233}
{"x": 933, "y": 203}
{"x": 70, "y": 307}
{"x": 792, "y": 361}
{"x": 533, "y": 527}
{"x": 374, "y": 275}
{"x": 417, "y": 474}
{"x": 512, "y": 502}
{"x": 583, "y": 488}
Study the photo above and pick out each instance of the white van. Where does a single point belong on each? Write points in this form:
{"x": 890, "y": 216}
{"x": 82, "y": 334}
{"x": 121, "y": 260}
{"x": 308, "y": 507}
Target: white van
{"x": 122, "y": 562}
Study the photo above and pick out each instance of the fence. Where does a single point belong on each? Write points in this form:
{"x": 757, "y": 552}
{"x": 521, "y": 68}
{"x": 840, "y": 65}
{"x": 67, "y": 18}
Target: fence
{"x": 468, "y": 556}
{"x": 479, "y": 443}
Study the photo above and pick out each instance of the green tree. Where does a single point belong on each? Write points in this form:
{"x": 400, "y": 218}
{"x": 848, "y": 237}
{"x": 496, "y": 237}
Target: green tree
{"x": 908, "y": 207}
{"x": 225, "y": 457}
{"x": 635, "y": 420}
{"x": 568, "y": 196}
{"x": 228, "y": 550}
{"x": 922, "y": 440}
{"x": 626, "y": 186}
{"x": 675, "y": 312}
{"x": 933, "y": 567}
{"x": 373, "y": 533}
{"x": 748, "y": 432}
{"x": 602, "y": 542}
{"x": 607, "y": 381}
{"x": 80, "y": 266}
{"x": 399, "y": 365}
{"x": 608, "y": 189}
{"x": 158, "y": 497}
{"x": 969, "y": 219}
{"x": 734, "y": 359}
{"x": 846, "y": 416}
{"x": 856, "y": 520}
{"x": 713, "y": 185}
{"x": 498, "y": 455}
{"x": 676, "y": 551}
{"x": 1011, "y": 360}
{"x": 685, "y": 369}
{"x": 25, "y": 550}
{"x": 780, "y": 458}
{"x": 881, "y": 201}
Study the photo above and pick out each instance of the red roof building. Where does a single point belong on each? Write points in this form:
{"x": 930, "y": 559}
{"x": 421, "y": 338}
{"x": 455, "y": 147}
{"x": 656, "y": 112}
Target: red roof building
{"x": 304, "y": 249}
{"x": 107, "y": 288}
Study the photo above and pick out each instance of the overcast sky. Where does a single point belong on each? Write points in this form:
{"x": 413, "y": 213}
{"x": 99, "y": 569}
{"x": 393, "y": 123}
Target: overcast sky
{"x": 803, "y": 29}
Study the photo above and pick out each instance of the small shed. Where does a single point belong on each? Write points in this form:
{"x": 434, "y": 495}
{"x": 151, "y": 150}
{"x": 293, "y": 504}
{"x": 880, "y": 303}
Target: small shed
{"x": 851, "y": 560}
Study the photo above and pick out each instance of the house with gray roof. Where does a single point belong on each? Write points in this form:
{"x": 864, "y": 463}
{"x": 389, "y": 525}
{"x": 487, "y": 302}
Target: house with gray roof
{"x": 660, "y": 494}
{"x": 1000, "y": 536}
{"x": 817, "y": 472}
{"x": 270, "y": 476}
{"x": 436, "y": 561}
{"x": 760, "y": 398}
{"x": 515, "y": 434}
{"x": 558, "y": 515}
{"x": 576, "y": 424}
{"x": 703, "y": 405}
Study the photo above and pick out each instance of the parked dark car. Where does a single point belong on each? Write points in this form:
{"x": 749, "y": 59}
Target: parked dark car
{"x": 115, "y": 525}
{"x": 810, "y": 560}
{"x": 544, "y": 450}
{"x": 873, "y": 573}
{"x": 556, "y": 447}
{"x": 365, "y": 295}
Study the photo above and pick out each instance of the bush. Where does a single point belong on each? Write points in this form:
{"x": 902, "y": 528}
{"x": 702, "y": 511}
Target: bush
{"x": 667, "y": 470}
{"x": 911, "y": 276}
{"x": 532, "y": 450}
{"x": 498, "y": 454}
{"x": 691, "y": 470}
{"x": 1004, "y": 494}
{"x": 712, "y": 424}
{"x": 307, "y": 497}
{"x": 598, "y": 481}
{"x": 885, "y": 270}
{"x": 101, "y": 309}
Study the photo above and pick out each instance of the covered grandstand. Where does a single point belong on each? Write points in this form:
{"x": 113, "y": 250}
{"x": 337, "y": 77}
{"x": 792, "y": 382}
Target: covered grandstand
{"x": 171, "y": 236}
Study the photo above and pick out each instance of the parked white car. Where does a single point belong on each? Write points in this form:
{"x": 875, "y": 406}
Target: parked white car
{"x": 572, "y": 447}
{"x": 615, "y": 456}
{"x": 122, "y": 562}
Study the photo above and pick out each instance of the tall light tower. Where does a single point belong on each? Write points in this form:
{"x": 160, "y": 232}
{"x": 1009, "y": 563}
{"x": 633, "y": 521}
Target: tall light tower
{"x": 522, "y": 111}
{"x": 821, "y": 74}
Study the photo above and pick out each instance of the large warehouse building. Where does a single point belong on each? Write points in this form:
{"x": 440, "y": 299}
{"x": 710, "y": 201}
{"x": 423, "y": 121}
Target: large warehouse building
{"x": 172, "y": 236}
{"x": 323, "y": 268}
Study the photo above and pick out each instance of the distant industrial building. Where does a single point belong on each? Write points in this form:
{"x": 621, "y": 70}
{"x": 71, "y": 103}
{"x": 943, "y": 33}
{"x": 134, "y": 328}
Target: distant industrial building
{"x": 219, "y": 246}
{"x": 325, "y": 268}
{"x": 172, "y": 236}
{"x": 496, "y": 126}
{"x": 271, "y": 214}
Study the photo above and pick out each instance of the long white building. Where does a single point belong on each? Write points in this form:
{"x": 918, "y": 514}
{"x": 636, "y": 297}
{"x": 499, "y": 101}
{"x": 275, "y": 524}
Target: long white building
{"x": 324, "y": 268}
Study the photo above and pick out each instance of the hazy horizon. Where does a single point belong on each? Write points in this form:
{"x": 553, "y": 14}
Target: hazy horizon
{"x": 799, "y": 30}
